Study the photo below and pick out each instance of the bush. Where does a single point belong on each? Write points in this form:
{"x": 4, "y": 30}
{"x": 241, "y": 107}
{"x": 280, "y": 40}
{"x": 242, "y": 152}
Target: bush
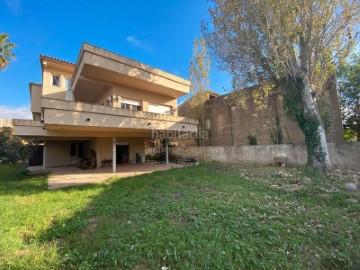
{"x": 21, "y": 172}
{"x": 252, "y": 139}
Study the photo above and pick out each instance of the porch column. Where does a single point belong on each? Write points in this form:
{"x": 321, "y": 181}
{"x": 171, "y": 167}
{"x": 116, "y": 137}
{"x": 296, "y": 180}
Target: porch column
{"x": 114, "y": 154}
{"x": 44, "y": 156}
{"x": 167, "y": 153}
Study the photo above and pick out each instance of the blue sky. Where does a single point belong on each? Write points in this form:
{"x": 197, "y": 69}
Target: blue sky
{"x": 159, "y": 33}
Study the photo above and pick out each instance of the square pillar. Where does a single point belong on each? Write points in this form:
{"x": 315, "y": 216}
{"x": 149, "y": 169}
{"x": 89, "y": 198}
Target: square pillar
{"x": 114, "y": 154}
{"x": 44, "y": 156}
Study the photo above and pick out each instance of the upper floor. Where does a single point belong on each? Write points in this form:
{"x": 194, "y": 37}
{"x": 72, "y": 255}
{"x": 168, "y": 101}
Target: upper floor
{"x": 103, "y": 78}
{"x": 103, "y": 92}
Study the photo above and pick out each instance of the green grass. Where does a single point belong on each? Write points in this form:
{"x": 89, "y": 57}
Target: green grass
{"x": 11, "y": 172}
{"x": 210, "y": 216}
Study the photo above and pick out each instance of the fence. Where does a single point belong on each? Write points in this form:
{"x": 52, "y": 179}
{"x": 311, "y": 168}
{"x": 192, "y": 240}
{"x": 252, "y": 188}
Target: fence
{"x": 342, "y": 156}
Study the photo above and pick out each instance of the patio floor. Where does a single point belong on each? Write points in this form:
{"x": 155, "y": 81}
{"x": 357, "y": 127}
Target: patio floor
{"x": 72, "y": 176}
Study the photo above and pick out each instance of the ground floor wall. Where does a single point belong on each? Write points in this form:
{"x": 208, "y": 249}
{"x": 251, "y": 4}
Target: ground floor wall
{"x": 59, "y": 153}
{"x": 342, "y": 155}
{"x": 104, "y": 147}
{"x": 68, "y": 152}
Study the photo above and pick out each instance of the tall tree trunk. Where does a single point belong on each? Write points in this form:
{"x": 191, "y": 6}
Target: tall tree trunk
{"x": 301, "y": 107}
{"x": 318, "y": 155}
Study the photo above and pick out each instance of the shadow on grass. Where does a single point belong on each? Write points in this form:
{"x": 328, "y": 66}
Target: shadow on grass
{"x": 101, "y": 235}
{"x": 192, "y": 218}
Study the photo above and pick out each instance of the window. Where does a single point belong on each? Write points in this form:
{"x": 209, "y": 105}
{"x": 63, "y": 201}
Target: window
{"x": 81, "y": 150}
{"x": 130, "y": 104}
{"x": 73, "y": 149}
{"x": 136, "y": 108}
{"x": 157, "y": 108}
{"x": 125, "y": 106}
{"x": 55, "y": 80}
{"x": 67, "y": 83}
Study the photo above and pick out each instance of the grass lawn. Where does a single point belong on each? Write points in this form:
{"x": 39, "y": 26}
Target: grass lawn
{"x": 210, "y": 216}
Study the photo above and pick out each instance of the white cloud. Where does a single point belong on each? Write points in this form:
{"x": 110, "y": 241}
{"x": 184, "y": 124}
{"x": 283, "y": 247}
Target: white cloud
{"x": 133, "y": 40}
{"x": 21, "y": 112}
{"x": 14, "y": 6}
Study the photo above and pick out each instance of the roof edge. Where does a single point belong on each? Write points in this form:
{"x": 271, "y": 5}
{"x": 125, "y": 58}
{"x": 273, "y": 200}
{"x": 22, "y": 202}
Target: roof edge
{"x": 42, "y": 57}
{"x": 128, "y": 61}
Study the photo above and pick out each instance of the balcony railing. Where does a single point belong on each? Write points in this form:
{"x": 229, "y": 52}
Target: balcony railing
{"x": 27, "y": 122}
{"x": 5, "y": 123}
{"x": 93, "y": 108}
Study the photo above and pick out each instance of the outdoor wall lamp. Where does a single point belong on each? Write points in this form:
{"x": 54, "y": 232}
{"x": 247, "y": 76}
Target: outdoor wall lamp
{"x": 88, "y": 119}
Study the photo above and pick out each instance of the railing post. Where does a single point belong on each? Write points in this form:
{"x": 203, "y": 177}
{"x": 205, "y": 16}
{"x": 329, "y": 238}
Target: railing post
{"x": 167, "y": 152}
{"x": 114, "y": 154}
{"x": 44, "y": 156}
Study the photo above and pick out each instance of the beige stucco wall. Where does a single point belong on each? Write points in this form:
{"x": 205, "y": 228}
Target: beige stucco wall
{"x": 6, "y": 123}
{"x": 58, "y": 154}
{"x": 71, "y": 118}
{"x": 103, "y": 147}
{"x": 35, "y": 96}
{"x": 144, "y": 97}
{"x": 50, "y": 91}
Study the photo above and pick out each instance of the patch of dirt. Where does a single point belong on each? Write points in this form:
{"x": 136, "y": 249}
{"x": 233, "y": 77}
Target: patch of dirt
{"x": 176, "y": 196}
{"x": 291, "y": 179}
{"x": 27, "y": 236}
{"x": 176, "y": 220}
{"x": 90, "y": 228}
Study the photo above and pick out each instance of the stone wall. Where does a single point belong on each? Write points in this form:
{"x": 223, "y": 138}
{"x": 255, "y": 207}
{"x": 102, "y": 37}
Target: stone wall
{"x": 342, "y": 156}
{"x": 232, "y": 117}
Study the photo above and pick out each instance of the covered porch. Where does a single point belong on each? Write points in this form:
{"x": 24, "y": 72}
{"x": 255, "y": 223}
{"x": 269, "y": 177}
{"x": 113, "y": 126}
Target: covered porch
{"x": 73, "y": 176}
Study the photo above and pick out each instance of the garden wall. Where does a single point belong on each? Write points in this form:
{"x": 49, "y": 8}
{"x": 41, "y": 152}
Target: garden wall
{"x": 342, "y": 155}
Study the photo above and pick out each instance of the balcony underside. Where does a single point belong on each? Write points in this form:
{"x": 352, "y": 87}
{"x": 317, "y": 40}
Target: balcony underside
{"x": 74, "y": 119}
{"x": 98, "y": 69}
{"x": 63, "y": 131}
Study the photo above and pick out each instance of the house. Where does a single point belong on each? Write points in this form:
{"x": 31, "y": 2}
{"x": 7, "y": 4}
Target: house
{"x": 228, "y": 119}
{"x": 5, "y": 123}
{"x": 105, "y": 102}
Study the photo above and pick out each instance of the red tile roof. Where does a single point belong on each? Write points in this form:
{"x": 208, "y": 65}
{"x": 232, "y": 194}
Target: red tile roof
{"x": 56, "y": 59}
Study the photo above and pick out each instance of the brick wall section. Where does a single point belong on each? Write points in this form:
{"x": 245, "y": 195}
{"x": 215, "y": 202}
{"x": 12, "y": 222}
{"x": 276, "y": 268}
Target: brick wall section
{"x": 335, "y": 132}
{"x": 184, "y": 109}
{"x": 234, "y": 115}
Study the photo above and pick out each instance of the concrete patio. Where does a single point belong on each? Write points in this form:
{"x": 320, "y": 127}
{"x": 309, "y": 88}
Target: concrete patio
{"x": 73, "y": 176}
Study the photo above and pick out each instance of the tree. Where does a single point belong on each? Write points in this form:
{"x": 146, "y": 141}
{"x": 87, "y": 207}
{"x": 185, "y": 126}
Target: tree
{"x": 291, "y": 45}
{"x": 199, "y": 76}
{"x": 6, "y": 53}
{"x": 349, "y": 90}
{"x": 12, "y": 149}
